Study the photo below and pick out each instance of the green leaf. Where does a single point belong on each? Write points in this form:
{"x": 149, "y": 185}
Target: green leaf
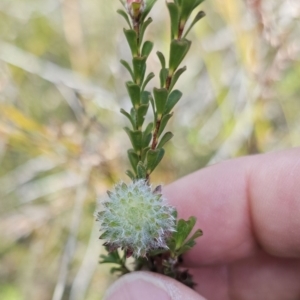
{"x": 147, "y": 135}
{"x": 183, "y": 230}
{"x": 141, "y": 113}
{"x": 174, "y": 16}
{"x": 148, "y": 78}
{"x": 125, "y": 16}
{"x": 178, "y": 50}
{"x": 186, "y": 247}
{"x": 167, "y": 136}
{"x": 145, "y": 97}
{"x": 198, "y": 17}
{"x": 178, "y": 2}
{"x": 147, "y": 139}
{"x": 176, "y": 76}
{"x": 153, "y": 105}
{"x": 153, "y": 159}
{"x": 141, "y": 170}
{"x": 190, "y": 243}
{"x": 144, "y": 27}
{"x": 161, "y": 59}
{"x": 144, "y": 153}
{"x": 134, "y": 93}
{"x": 163, "y": 74}
{"x": 136, "y": 139}
{"x": 126, "y": 114}
{"x": 131, "y": 37}
{"x": 128, "y": 68}
{"x": 160, "y": 98}
{"x": 187, "y": 8}
{"x": 148, "y": 129}
{"x": 139, "y": 68}
{"x": 133, "y": 158}
{"x": 133, "y": 113}
{"x": 147, "y": 48}
{"x": 164, "y": 121}
{"x": 172, "y": 100}
{"x": 148, "y": 7}
{"x": 196, "y": 234}
{"x": 130, "y": 175}
{"x": 111, "y": 257}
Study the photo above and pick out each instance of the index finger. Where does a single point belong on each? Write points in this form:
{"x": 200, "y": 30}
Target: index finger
{"x": 243, "y": 205}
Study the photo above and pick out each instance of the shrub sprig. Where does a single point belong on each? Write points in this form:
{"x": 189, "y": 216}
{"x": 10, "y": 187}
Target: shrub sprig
{"x": 135, "y": 218}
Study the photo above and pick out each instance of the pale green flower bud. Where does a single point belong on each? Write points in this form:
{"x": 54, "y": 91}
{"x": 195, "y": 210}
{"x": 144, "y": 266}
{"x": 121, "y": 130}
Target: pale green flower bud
{"x": 135, "y": 7}
{"x": 136, "y": 218}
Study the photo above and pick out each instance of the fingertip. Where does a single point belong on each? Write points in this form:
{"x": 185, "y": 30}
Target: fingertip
{"x": 149, "y": 286}
{"x": 242, "y": 205}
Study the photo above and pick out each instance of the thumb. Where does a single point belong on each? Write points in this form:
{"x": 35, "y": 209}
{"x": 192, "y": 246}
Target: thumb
{"x": 149, "y": 286}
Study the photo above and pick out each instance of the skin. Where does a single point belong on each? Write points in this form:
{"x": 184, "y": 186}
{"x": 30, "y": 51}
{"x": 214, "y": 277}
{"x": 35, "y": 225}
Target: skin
{"x": 249, "y": 211}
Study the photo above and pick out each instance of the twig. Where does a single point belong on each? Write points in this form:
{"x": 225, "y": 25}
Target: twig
{"x": 81, "y": 192}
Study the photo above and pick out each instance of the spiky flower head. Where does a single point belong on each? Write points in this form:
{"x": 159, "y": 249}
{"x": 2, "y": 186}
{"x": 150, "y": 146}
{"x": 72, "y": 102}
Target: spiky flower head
{"x": 136, "y": 218}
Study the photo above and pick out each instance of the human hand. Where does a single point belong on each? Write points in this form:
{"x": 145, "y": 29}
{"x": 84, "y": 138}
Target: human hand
{"x": 249, "y": 211}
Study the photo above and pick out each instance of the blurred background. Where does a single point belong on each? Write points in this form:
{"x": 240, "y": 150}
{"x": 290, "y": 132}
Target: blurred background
{"x": 61, "y": 139}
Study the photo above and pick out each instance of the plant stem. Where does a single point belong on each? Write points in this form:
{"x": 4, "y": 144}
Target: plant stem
{"x": 155, "y": 135}
{"x": 136, "y": 27}
{"x": 167, "y": 86}
{"x": 180, "y": 30}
